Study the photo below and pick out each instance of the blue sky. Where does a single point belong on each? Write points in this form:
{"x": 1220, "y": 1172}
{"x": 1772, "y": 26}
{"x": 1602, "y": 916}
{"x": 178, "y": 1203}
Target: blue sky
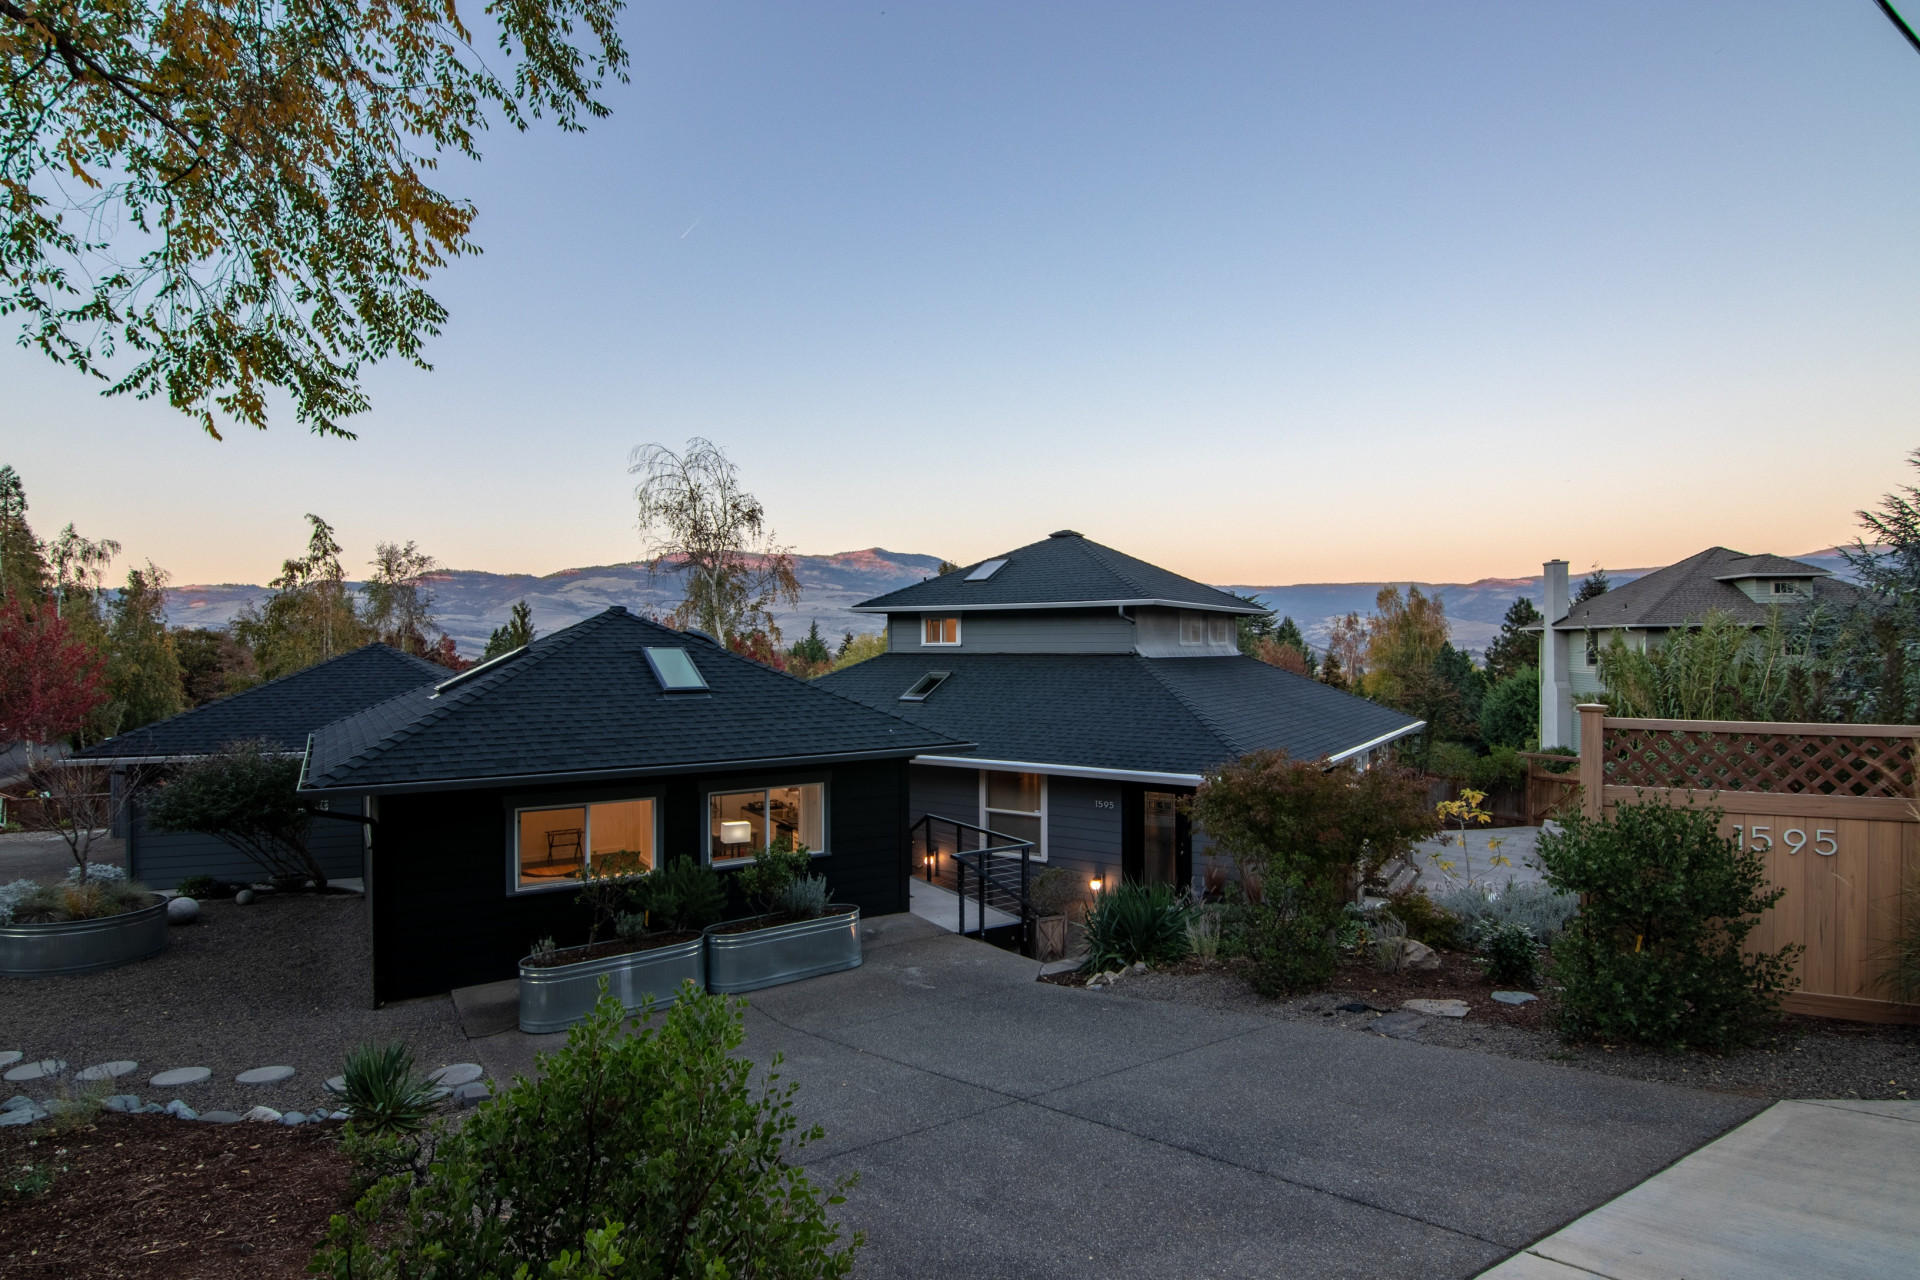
{"x": 1265, "y": 293}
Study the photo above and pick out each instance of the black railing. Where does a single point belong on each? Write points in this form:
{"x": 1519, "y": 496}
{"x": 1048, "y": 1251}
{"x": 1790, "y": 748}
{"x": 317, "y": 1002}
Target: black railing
{"x": 994, "y": 868}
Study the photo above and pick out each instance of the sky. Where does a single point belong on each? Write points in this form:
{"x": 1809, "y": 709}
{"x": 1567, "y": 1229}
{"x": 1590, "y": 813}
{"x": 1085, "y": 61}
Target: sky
{"x": 1264, "y": 293}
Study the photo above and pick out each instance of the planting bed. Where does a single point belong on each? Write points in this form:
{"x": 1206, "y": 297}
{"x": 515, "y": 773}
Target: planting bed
{"x": 152, "y": 1198}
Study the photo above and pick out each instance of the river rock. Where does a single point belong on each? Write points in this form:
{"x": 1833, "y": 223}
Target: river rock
{"x": 124, "y": 1103}
{"x": 244, "y": 898}
{"x": 182, "y": 911}
{"x": 180, "y": 1110}
{"x": 219, "y": 1117}
{"x": 263, "y": 1115}
{"x": 22, "y": 1116}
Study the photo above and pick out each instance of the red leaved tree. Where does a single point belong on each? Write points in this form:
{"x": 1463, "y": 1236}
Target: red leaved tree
{"x": 50, "y": 679}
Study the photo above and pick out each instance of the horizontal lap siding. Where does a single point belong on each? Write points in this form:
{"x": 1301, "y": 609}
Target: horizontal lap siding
{"x": 162, "y": 859}
{"x": 1082, "y": 836}
{"x": 868, "y": 860}
{"x": 950, "y": 793}
{"x": 1020, "y": 631}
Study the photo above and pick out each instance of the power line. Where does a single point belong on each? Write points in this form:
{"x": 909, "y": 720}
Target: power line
{"x": 1894, "y": 17}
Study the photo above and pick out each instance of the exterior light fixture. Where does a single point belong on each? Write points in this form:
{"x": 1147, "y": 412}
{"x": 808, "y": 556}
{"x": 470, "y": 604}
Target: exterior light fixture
{"x": 736, "y": 832}
{"x": 1095, "y": 883}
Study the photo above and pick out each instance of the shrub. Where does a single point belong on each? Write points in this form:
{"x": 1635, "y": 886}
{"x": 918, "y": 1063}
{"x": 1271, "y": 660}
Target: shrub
{"x": 1501, "y": 769}
{"x": 1452, "y": 760}
{"x": 104, "y": 872}
{"x": 1386, "y": 942}
{"x": 804, "y": 898}
{"x": 1508, "y": 952}
{"x": 649, "y": 1152}
{"x": 244, "y": 796}
{"x": 1054, "y": 891}
{"x": 1655, "y": 953}
{"x": 12, "y": 895}
{"x": 683, "y": 894}
{"x": 1426, "y": 920}
{"x": 1901, "y": 957}
{"x": 24, "y": 902}
{"x": 1510, "y": 713}
{"x": 1542, "y": 908}
{"x": 1135, "y": 922}
{"x": 1203, "y": 933}
{"x": 384, "y": 1095}
{"x": 197, "y": 887}
{"x": 769, "y": 874}
{"x": 1288, "y": 951}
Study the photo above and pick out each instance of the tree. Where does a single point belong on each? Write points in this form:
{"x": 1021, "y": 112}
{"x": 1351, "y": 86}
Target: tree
{"x": 859, "y": 649}
{"x": 213, "y": 665}
{"x": 809, "y": 656}
{"x": 1283, "y": 646}
{"x": 143, "y": 672}
{"x": 245, "y": 796}
{"x": 1720, "y": 669}
{"x": 1253, "y": 627}
{"x": 1594, "y": 585}
{"x": 1347, "y": 652}
{"x": 1515, "y": 647}
{"x": 516, "y": 633}
{"x": 1510, "y": 713}
{"x": 80, "y": 802}
{"x": 395, "y": 604}
{"x": 23, "y": 566}
{"x": 1874, "y": 644}
{"x": 1404, "y": 638}
{"x": 51, "y": 682}
{"x": 946, "y": 567}
{"x": 236, "y": 197}
{"x": 698, "y": 521}
{"x": 310, "y": 616}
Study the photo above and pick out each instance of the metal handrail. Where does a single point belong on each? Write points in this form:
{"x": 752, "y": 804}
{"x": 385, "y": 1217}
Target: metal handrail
{"x": 992, "y": 867}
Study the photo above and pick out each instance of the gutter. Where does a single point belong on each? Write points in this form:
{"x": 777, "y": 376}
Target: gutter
{"x": 1053, "y": 604}
{"x": 1380, "y": 741}
{"x": 1063, "y": 770}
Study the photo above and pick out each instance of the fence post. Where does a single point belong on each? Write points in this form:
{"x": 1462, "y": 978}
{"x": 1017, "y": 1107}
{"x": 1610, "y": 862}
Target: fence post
{"x": 1593, "y": 771}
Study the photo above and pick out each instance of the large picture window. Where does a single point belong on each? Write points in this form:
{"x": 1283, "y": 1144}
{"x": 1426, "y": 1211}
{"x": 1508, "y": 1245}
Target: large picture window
{"x": 558, "y": 845}
{"x": 1015, "y": 804}
{"x": 740, "y": 824}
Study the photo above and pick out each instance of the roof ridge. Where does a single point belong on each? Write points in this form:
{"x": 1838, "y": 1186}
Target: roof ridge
{"x": 1214, "y": 727}
{"x": 1094, "y": 551}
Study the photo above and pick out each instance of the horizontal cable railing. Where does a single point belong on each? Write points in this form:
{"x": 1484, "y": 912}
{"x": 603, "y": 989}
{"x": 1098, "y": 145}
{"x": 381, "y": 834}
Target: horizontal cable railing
{"x": 992, "y": 869}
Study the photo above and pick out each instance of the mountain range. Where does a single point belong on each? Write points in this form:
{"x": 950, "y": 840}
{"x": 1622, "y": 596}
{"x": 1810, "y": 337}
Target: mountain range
{"x": 469, "y": 603}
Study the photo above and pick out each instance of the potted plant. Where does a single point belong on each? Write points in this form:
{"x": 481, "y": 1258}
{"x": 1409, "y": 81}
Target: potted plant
{"x": 1052, "y": 893}
{"x": 655, "y": 920}
{"x": 797, "y": 933}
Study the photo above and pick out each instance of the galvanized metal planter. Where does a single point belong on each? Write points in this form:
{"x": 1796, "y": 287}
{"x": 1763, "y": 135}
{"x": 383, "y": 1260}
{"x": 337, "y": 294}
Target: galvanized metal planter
{"x": 554, "y": 997}
{"x": 756, "y": 958}
{"x": 71, "y": 947}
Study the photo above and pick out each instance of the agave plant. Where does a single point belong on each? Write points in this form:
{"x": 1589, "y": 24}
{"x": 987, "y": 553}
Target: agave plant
{"x": 385, "y": 1096}
{"x": 1135, "y": 922}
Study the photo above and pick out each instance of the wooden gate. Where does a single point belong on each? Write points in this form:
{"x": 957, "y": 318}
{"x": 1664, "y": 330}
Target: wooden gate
{"x": 1833, "y": 808}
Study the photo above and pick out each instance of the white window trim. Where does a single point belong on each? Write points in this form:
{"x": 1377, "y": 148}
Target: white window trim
{"x": 986, "y": 814}
{"x": 1180, "y": 622}
{"x": 727, "y": 864}
{"x": 586, "y": 836}
{"x": 958, "y": 630}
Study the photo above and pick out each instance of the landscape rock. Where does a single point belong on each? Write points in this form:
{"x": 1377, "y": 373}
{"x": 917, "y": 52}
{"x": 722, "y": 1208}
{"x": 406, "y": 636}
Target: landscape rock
{"x": 152, "y": 1109}
{"x": 22, "y": 1116}
{"x": 294, "y": 1117}
{"x": 179, "y": 1076}
{"x": 10, "y": 1057}
{"x": 263, "y": 1115}
{"x": 336, "y": 1084}
{"x": 180, "y": 1110}
{"x": 182, "y": 911}
{"x": 244, "y": 898}
{"x": 38, "y": 1070}
{"x": 219, "y": 1117}
{"x": 105, "y": 1071}
{"x": 1514, "y": 997}
{"x": 1418, "y": 955}
{"x": 124, "y": 1103}
{"x": 456, "y": 1075}
{"x": 472, "y": 1095}
{"x": 1403, "y": 1024}
{"x": 16, "y": 1102}
{"x": 264, "y": 1075}
{"x": 1437, "y": 1008}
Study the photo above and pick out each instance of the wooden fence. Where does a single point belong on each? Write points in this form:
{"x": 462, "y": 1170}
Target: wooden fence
{"x": 1832, "y": 806}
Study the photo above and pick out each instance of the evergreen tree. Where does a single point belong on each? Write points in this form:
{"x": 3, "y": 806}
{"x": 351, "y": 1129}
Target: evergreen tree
{"x": 1515, "y": 647}
{"x": 213, "y": 665}
{"x": 1254, "y": 628}
{"x": 1510, "y": 713}
{"x": 811, "y": 648}
{"x": 143, "y": 672}
{"x": 1592, "y": 586}
{"x": 23, "y": 565}
{"x": 516, "y": 633}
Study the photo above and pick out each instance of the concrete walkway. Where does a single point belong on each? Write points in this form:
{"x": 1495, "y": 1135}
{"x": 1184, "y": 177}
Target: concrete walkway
{"x": 1804, "y": 1189}
{"x": 938, "y": 906}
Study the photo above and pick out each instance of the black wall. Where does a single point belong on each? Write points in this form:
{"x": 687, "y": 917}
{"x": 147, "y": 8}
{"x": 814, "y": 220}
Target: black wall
{"x": 443, "y": 916}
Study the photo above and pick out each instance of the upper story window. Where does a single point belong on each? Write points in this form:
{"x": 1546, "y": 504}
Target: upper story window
{"x": 558, "y": 846}
{"x": 742, "y": 824}
{"x": 1785, "y": 587}
{"x": 939, "y": 631}
{"x": 1593, "y": 649}
{"x": 1219, "y": 629}
{"x": 1193, "y": 628}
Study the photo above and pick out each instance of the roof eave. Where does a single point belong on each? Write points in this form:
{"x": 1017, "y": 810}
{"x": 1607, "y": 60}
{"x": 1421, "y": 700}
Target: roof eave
{"x": 871, "y": 607}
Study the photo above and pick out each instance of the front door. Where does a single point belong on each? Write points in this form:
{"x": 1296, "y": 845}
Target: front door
{"x": 1157, "y": 845}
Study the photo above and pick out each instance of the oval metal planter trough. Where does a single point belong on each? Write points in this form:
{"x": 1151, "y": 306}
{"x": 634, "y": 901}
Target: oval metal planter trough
{"x": 70, "y": 947}
{"x": 757, "y": 958}
{"x": 554, "y": 997}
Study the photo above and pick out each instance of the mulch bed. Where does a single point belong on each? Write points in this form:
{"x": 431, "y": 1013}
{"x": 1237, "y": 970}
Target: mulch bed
{"x": 154, "y": 1198}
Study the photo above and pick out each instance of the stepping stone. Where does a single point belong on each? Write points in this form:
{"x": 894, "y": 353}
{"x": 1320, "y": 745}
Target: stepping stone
{"x": 1437, "y": 1008}
{"x": 179, "y": 1076}
{"x": 38, "y": 1070}
{"x": 107, "y": 1071}
{"x": 1404, "y": 1024}
{"x": 10, "y": 1057}
{"x": 264, "y": 1075}
{"x": 219, "y": 1117}
{"x": 456, "y": 1075}
{"x": 264, "y": 1115}
{"x": 337, "y": 1084}
{"x": 472, "y": 1095}
{"x": 1514, "y": 997}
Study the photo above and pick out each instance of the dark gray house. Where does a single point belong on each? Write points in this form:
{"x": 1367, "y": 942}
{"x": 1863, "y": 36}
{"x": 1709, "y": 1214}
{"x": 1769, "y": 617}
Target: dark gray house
{"x": 1098, "y": 689}
{"x": 281, "y": 713}
{"x": 492, "y": 791}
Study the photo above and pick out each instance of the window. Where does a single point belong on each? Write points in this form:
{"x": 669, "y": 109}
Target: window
{"x": 1015, "y": 804}
{"x": 1782, "y": 587}
{"x": 1219, "y": 630}
{"x": 674, "y": 669}
{"x": 557, "y": 846}
{"x": 1193, "y": 629}
{"x": 925, "y": 685}
{"x": 940, "y": 631}
{"x": 986, "y": 570}
{"x": 740, "y": 824}
{"x": 1593, "y": 649}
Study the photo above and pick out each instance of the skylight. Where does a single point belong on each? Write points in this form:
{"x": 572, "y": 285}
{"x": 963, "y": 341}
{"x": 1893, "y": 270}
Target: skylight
{"x": 674, "y": 670}
{"x": 986, "y": 570}
{"x": 925, "y": 685}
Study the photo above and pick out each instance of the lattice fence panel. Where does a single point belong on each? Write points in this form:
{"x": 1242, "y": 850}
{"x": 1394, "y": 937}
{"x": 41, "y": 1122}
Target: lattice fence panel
{"x": 1791, "y": 764}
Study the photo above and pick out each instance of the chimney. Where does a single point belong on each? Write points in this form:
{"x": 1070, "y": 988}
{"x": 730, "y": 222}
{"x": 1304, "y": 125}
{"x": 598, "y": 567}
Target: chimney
{"x": 1557, "y": 727}
{"x": 1558, "y": 599}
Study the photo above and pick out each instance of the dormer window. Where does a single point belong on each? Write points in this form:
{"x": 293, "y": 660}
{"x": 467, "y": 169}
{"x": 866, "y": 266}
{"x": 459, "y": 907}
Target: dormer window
{"x": 1193, "y": 628}
{"x": 1785, "y": 587}
{"x": 1219, "y": 630}
{"x": 940, "y": 631}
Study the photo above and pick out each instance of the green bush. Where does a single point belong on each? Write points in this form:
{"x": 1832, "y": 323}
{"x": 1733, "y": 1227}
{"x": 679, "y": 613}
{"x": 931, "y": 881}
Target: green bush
{"x": 1135, "y": 922}
{"x": 1510, "y": 713}
{"x": 1426, "y": 920}
{"x": 1508, "y": 953}
{"x": 631, "y": 1157}
{"x": 804, "y": 898}
{"x": 683, "y": 894}
{"x": 1451, "y": 760}
{"x": 1655, "y": 954}
{"x": 1540, "y": 907}
{"x": 767, "y": 877}
{"x": 1289, "y": 951}
{"x": 197, "y": 887}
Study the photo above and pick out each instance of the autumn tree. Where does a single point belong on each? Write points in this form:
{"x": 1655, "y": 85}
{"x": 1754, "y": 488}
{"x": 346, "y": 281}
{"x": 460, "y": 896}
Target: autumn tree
{"x": 310, "y": 616}
{"x": 211, "y": 202}
{"x": 698, "y": 522}
{"x": 515, "y": 633}
{"x": 1346, "y": 664}
{"x": 1515, "y": 647}
{"x": 213, "y": 664}
{"x": 809, "y": 656}
{"x": 1404, "y": 637}
{"x": 51, "y": 682}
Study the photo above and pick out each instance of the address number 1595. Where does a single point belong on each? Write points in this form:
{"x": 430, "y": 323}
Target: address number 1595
{"x": 1761, "y": 839}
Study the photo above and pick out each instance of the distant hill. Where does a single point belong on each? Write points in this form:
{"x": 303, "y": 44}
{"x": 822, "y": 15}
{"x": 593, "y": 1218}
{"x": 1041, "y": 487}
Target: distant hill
{"x": 470, "y": 603}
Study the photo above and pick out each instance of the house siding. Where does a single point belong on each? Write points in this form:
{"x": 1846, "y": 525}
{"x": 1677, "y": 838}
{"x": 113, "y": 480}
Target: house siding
{"x": 162, "y": 859}
{"x": 1083, "y": 826}
{"x": 1019, "y": 631}
{"x": 444, "y": 917}
{"x": 949, "y": 793}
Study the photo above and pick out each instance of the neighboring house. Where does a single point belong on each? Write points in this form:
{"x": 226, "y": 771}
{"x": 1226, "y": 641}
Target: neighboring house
{"x": 280, "y": 713}
{"x": 1641, "y": 612}
{"x": 1099, "y": 690}
{"x": 491, "y": 792}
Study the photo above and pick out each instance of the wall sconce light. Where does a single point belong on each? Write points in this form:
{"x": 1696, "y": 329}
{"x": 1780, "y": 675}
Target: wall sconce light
{"x": 736, "y": 832}
{"x": 1095, "y": 883}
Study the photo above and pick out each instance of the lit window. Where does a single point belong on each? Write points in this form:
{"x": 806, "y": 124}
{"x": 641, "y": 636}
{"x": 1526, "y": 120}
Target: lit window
{"x": 986, "y": 570}
{"x": 1193, "y": 628}
{"x": 742, "y": 824}
{"x": 1014, "y": 804}
{"x": 1785, "y": 588}
{"x": 1219, "y": 630}
{"x": 925, "y": 685}
{"x": 558, "y": 846}
{"x": 940, "y": 631}
{"x": 674, "y": 669}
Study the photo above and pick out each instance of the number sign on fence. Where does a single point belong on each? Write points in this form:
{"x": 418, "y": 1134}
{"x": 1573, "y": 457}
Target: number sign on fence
{"x": 1831, "y": 807}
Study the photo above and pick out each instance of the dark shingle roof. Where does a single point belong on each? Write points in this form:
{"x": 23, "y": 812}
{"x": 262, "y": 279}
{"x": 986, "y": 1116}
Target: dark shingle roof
{"x": 1063, "y": 569}
{"x": 1121, "y": 711}
{"x": 583, "y": 701}
{"x": 280, "y": 712}
{"x": 1684, "y": 593}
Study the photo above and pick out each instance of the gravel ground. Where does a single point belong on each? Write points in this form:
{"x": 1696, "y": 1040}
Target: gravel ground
{"x": 284, "y": 981}
{"x": 36, "y": 856}
{"x": 1805, "y": 1058}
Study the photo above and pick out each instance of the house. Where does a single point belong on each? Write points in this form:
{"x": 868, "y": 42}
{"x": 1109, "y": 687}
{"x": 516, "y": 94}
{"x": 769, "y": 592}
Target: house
{"x": 491, "y": 792}
{"x": 1098, "y": 689}
{"x": 280, "y": 713}
{"x": 1641, "y": 612}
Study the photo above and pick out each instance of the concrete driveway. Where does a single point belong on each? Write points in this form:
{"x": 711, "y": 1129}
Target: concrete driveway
{"x": 1004, "y": 1127}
